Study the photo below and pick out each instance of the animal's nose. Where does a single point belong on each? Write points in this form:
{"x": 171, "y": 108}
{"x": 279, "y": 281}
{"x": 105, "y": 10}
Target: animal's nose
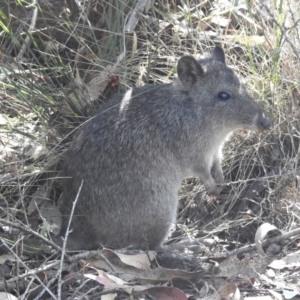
{"x": 264, "y": 123}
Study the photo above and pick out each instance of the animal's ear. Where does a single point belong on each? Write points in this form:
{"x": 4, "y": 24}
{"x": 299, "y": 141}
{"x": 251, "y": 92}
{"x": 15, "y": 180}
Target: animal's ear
{"x": 188, "y": 69}
{"x": 218, "y": 54}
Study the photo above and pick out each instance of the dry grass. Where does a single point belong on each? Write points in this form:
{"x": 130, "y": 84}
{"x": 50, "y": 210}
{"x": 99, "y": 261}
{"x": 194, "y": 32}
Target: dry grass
{"x": 56, "y": 79}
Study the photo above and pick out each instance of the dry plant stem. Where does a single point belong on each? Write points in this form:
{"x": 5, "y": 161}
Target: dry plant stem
{"x": 65, "y": 242}
{"x": 78, "y": 289}
{"x": 257, "y": 188}
{"x": 247, "y": 19}
{"x": 84, "y": 255}
{"x": 16, "y": 35}
{"x": 282, "y": 237}
{"x": 255, "y": 179}
{"x": 32, "y": 272}
{"x": 260, "y": 185}
{"x": 26, "y": 268}
{"x": 26, "y": 229}
{"x": 31, "y": 27}
{"x": 191, "y": 10}
{"x": 90, "y": 291}
{"x": 135, "y": 16}
{"x": 10, "y": 287}
{"x": 84, "y": 17}
{"x": 18, "y": 250}
{"x": 281, "y": 29}
{"x": 107, "y": 292}
{"x": 53, "y": 279}
{"x": 108, "y": 262}
{"x": 27, "y": 289}
{"x": 21, "y": 196}
{"x": 63, "y": 251}
{"x": 265, "y": 243}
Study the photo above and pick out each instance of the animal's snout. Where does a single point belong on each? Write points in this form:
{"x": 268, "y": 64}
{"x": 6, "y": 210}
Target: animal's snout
{"x": 264, "y": 123}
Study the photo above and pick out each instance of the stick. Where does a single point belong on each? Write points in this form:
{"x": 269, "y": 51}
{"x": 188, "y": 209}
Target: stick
{"x": 65, "y": 242}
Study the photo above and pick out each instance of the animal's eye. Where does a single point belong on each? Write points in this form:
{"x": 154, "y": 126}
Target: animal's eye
{"x": 223, "y": 96}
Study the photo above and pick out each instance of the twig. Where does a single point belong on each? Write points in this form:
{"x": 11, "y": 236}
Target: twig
{"x": 54, "y": 264}
{"x": 27, "y": 289}
{"x": 47, "y": 288}
{"x": 84, "y": 16}
{"x": 83, "y": 296}
{"x": 256, "y": 179}
{"x": 63, "y": 251}
{"x": 21, "y": 194}
{"x": 183, "y": 17}
{"x": 281, "y": 29}
{"x": 28, "y": 230}
{"x": 33, "y": 272}
{"x": 65, "y": 242}
{"x": 24, "y": 265}
{"x": 135, "y": 15}
{"x": 74, "y": 258}
{"x": 31, "y": 28}
{"x": 83, "y": 255}
{"x": 108, "y": 263}
{"x": 18, "y": 32}
{"x": 78, "y": 289}
{"x": 265, "y": 243}
{"x": 258, "y": 187}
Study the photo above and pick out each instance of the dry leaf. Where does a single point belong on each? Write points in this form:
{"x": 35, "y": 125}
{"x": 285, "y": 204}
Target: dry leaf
{"x": 139, "y": 260}
{"x": 276, "y": 295}
{"x": 259, "y": 298}
{"x": 112, "y": 282}
{"x": 221, "y": 21}
{"x": 108, "y": 296}
{"x": 7, "y": 296}
{"x": 290, "y": 261}
{"x": 35, "y": 150}
{"x": 163, "y": 293}
{"x": 228, "y": 290}
{"x": 241, "y": 281}
{"x": 11, "y": 257}
{"x": 289, "y": 294}
{"x": 163, "y": 275}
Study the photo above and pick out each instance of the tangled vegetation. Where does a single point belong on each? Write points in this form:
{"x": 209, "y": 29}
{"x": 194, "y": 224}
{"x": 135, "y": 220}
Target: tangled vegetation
{"x": 60, "y": 60}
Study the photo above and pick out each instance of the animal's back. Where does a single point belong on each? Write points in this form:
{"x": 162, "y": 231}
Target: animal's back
{"x": 127, "y": 158}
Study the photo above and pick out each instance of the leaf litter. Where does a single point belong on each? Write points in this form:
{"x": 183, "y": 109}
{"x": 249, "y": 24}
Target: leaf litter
{"x": 212, "y": 273}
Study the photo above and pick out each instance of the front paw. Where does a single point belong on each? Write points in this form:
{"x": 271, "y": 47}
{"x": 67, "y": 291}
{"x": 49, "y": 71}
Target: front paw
{"x": 211, "y": 187}
{"x": 218, "y": 176}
